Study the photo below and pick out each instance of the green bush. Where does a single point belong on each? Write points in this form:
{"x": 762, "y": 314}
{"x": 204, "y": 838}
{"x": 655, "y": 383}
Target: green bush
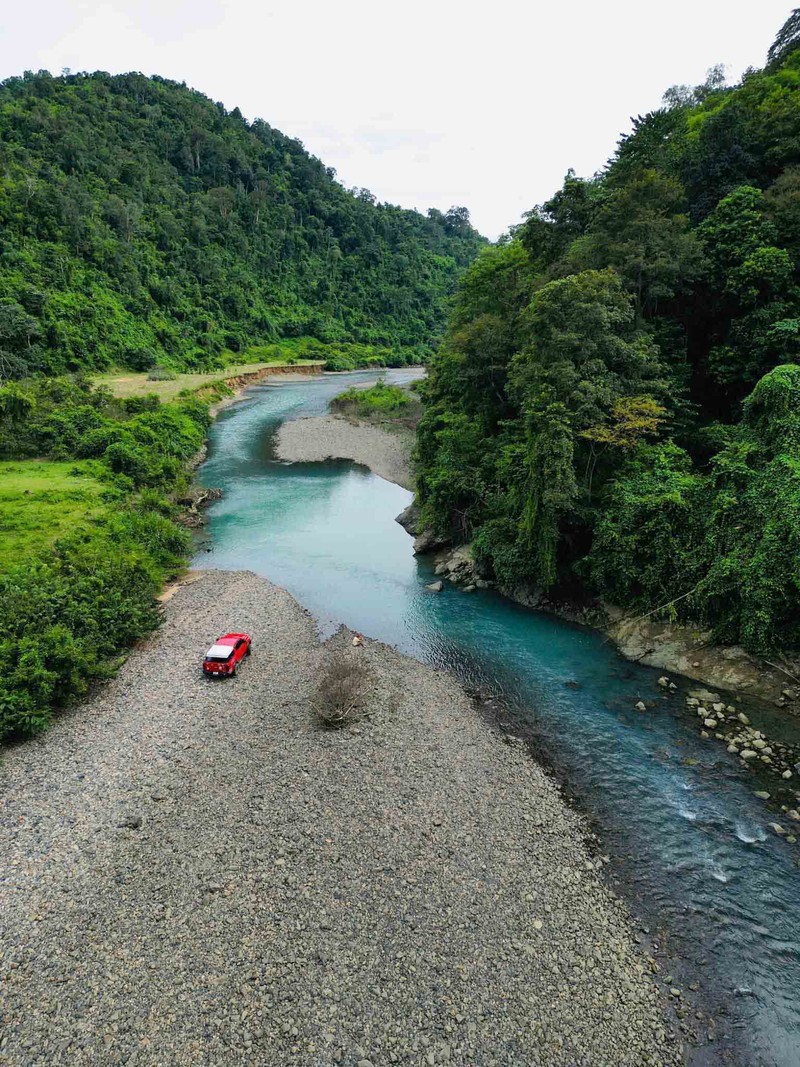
{"x": 64, "y": 621}
{"x": 382, "y": 400}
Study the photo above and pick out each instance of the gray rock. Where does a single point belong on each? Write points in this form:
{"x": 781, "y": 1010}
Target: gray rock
{"x": 704, "y": 694}
{"x": 131, "y": 821}
{"x": 435, "y": 587}
{"x": 409, "y": 518}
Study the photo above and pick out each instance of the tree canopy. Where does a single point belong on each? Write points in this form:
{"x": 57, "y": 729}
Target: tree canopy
{"x": 141, "y": 223}
{"x": 615, "y": 401}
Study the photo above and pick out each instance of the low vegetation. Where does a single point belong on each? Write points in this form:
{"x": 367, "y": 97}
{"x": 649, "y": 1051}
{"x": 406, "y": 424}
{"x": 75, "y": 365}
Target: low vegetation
{"x": 123, "y": 384}
{"x": 380, "y": 401}
{"x": 343, "y": 690}
{"x": 43, "y": 501}
{"x": 88, "y": 534}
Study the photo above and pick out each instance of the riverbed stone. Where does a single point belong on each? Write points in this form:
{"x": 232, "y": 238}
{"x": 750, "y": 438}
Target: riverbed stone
{"x": 98, "y": 923}
{"x": 435, "y": 587}
{"x": 748, "y": 754}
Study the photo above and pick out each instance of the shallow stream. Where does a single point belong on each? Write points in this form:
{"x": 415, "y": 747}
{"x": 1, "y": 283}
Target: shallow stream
{"x": 690, "y": 843}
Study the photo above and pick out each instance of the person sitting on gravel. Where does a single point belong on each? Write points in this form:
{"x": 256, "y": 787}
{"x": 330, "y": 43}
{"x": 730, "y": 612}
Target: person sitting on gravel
{"x": 358, "y": 640}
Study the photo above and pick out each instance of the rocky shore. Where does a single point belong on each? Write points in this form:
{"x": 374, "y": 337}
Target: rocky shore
{"x": 669, "y": 646}
{"x": 197, "y": 873}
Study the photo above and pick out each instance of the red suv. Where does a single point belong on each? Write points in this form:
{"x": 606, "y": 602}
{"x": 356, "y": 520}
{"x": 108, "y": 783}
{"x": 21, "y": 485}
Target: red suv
{"x": 226, "y": 654}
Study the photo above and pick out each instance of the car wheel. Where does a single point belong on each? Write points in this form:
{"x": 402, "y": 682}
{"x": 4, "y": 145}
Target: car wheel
{"x": 249, "y": 650}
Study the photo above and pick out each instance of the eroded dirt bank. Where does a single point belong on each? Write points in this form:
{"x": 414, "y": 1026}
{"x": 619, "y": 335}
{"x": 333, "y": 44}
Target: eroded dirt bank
{"x": 194, "y": 873}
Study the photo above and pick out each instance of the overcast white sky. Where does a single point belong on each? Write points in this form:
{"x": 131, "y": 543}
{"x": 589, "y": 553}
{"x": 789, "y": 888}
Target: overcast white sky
{"x": 425, "y": 102}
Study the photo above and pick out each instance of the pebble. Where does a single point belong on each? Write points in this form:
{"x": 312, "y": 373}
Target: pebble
{"x": 210, "y": 930}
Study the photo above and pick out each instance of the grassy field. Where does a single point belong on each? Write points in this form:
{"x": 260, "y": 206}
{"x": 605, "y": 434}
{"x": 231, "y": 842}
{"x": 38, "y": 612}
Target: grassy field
{"x": 41, "y": 500}
{"x": 126, "y": 383}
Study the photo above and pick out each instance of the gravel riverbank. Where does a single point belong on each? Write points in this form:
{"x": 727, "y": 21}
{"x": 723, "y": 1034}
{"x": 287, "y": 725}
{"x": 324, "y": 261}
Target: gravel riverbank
{"x": 194, "y": 873}
{"x": 333, "y": 437}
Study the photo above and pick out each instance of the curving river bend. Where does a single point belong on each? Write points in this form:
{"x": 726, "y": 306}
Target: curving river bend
{"x": 690, "y": 842}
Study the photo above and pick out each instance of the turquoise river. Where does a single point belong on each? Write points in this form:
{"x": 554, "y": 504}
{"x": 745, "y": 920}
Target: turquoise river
{"x": 716, "y": 893}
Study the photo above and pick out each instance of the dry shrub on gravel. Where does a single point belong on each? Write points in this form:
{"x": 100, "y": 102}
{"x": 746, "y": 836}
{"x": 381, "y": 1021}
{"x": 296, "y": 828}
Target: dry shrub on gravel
{"x": 343, "y": 689}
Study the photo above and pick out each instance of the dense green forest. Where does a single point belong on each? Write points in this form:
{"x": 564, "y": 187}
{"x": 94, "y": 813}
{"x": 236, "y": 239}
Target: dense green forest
{"x": 143, "y": 224}
{"x": 616, "y": 405}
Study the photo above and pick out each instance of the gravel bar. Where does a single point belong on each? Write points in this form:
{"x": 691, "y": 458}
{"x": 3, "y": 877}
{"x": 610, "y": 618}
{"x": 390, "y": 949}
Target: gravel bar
{"x": 193, "y": 872}
{"x": 324, "y": 437}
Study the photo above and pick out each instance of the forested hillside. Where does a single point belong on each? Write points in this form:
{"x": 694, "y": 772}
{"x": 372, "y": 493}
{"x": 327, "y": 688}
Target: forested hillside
{"x": 616, "y": 406}
{"x": 141, "y": 223}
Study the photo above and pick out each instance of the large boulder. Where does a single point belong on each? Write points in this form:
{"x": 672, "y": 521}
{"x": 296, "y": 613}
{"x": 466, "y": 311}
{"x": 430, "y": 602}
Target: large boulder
{"x": 428, "y": 541}
{"x": 409, "y": 518}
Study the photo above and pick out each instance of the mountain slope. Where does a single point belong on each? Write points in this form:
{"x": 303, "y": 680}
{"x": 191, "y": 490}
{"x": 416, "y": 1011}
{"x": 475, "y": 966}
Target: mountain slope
{"x": 616, "y": 406}
{"x": 140, "y": 222}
